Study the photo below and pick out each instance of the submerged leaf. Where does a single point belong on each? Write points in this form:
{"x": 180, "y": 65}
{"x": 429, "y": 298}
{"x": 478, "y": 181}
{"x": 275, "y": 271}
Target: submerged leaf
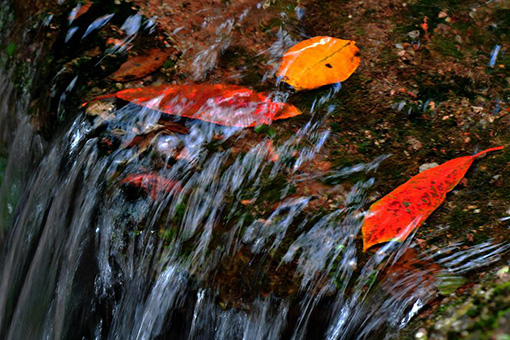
{"x": 139, "y": 67}
{"x": 78, "y": 11}
{"x": 152, "y": 184}
{"x": 410, "y": 276}
{"x": 230, "y": 105}
{"x": 397, "y": 214}
{"x": 319, "y": 61}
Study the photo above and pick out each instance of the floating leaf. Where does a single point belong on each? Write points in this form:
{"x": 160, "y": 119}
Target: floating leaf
{"x": 319, "y": 61}
{"x": 230, "y": 105}
{"x": 139, "y": 67}
{"x": 152, "y": 184}
{"x": 397, "y": 214}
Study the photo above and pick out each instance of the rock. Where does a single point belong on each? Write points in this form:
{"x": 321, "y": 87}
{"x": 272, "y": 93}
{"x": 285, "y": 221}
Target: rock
{"x": 414, "y": 143}
{"x": 414, "y": 34}
{"x": 427, "y": 166}
{"x": 504, "y": 273}
{"x": 421, "y": 334}
{"x": 481, "y": 314}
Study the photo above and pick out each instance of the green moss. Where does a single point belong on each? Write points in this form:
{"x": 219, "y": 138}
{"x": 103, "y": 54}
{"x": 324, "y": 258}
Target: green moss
{"x": 365, "y": 147}
{"x": 180, "y": 211}
{"x": 10, "y": 49}
{"x": 264, "y": 128}
{"x": 481, "y": 312}
{"x": 447, "y": 48}
{"x": 168, "y": 235}
{"x": 448, "y": 284}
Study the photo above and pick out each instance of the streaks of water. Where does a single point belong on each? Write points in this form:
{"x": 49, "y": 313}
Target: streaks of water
{"x": 494, "y": 55}
{"x": 206, "y": 59}
{"x": 132, "y": 24}
{"x": 98, "y": 23}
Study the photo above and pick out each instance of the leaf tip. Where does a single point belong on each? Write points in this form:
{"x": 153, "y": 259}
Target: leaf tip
{"x": 497, "y": 148}
{"x": 287, "y": 111}
{"x": 367, "y": 244}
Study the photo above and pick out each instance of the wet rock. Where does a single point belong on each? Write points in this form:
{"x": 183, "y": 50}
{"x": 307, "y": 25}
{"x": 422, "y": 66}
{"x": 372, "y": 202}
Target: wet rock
{"x": 483, "y": 313}
{"x": 427, "y": 166}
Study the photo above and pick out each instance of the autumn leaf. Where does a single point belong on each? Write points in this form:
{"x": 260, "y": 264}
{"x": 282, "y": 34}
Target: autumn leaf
{"x": 397, "y": 214}
{"x": 152, "y": 184}
{"x": 319, "y": 61}
{"x": 140, "y": 66}
{"x": 230, "y": 105}
{"x": 409, "y": 275}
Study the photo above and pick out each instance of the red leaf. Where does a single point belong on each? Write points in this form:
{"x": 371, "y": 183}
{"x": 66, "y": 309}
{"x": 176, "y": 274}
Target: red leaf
{"x": 152, "y": 184}
{"x": 230, "y": 105}
{"x": 397, "y": 214}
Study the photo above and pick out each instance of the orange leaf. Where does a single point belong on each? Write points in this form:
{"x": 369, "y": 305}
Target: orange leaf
{"x": 152, "y": 184}
{"x": 139, "y": 67}
{"x": 230, "y": 105}
{"x": 397, "y": 214}
{"x": 319, "y": 61}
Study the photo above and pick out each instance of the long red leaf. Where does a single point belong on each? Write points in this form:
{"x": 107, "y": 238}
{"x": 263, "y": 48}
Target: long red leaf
{"x": 230, "y": 105}
{"x": 397, "y": 214}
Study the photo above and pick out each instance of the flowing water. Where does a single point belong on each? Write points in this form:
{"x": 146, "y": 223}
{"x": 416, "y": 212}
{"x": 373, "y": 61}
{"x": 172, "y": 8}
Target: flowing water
{"x": 85, "y": 254}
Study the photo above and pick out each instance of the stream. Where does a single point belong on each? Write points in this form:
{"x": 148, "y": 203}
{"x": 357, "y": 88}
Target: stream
{"x": 229, "y": 247}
